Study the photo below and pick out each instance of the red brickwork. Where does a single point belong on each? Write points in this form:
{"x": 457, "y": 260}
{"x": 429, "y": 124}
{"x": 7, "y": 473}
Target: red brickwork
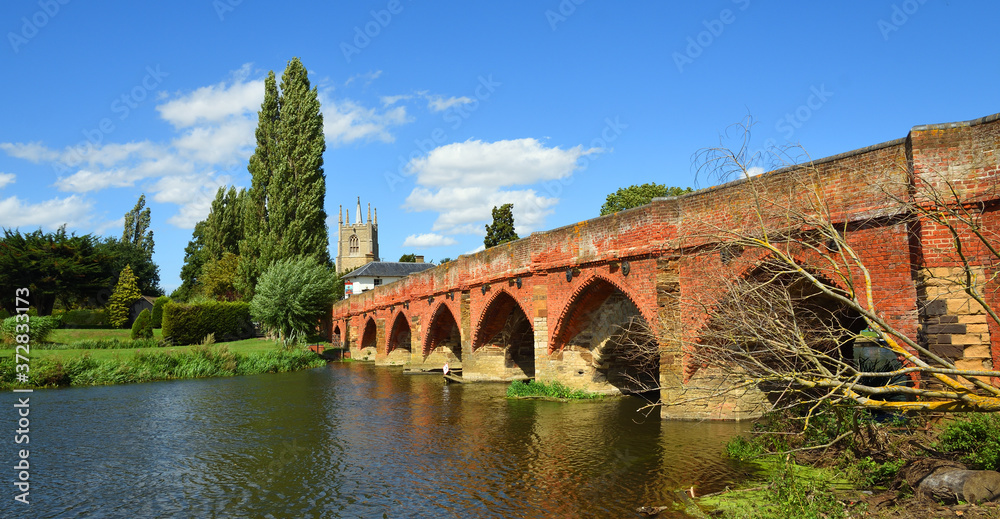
{"x": 675, "y": 267}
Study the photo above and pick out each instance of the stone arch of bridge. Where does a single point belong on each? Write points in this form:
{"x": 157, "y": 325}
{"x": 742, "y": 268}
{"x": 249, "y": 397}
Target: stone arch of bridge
{"x": 609, "y": 340}
{"x": 829, "y": 324}
{"x": 504, "y": 325}
{"x": 399, "y": 334}
{"x": 369, "y": 335}
{"x": 337, "y": 334}
{"x": 588, "y": 295}
{"x": 443, "y": 330}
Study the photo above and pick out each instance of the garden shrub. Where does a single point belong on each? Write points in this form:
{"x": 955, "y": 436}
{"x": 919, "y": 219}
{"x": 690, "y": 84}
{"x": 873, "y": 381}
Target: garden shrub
{"x": 38, "y": 329}
{"x": 158, "y": 311}
{"x": 978, "y": 436}
{"x": 142, "y": 328}
{"x": 81, "y": 318}
{"x": 191, "y": 323}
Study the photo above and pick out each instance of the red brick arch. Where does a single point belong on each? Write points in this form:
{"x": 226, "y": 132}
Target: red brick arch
{"x": 501, "y": 303}
{"x": 588, "y": 295}
{"x": 438, "y": 327}
{"x": 396, "y": 324}
{"x": 369, "y": 335}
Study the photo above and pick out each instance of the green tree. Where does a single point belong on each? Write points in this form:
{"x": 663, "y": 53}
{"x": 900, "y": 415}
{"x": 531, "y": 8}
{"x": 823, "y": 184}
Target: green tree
{"x": 408, "y": 258}
{"x": 502, "y": 228}
{"x": 284, "y": 215}
{"x": 223, "y": 228}
{"x": 120, "y": 254}
{"x": 54, "y": 266}
{"x": 194, "y": 259}
{"x": 292, "y": 295}
{"x": 157, "y": 316}
{"x": 636, "y": 195}
{"x": 126, "y": 292}
{"x": 218, "y": 277}
{"x": 142, "y": 328}
{"x": 137, "y": 230}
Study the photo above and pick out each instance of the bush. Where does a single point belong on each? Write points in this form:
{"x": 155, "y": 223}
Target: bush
{"x": 37, "y": 328}
{"x": 142, "y": 328}
{"x": 190, "y": 323}
{"x": 158, "y": 311}
{"x": 103, "y": 344}
{"x": 534, "y": 388}
{"x": 978, "y": 436}
{"x": 85, "y": 319}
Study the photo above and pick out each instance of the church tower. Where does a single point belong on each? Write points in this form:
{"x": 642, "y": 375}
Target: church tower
{"x": 358, "y": 242}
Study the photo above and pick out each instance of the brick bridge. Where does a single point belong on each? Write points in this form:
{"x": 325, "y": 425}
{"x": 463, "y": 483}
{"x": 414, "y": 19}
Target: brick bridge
{"x": 549, "y": 306}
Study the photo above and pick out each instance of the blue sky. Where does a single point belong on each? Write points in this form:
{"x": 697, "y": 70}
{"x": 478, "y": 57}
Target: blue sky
{"x": 435, "y": 112}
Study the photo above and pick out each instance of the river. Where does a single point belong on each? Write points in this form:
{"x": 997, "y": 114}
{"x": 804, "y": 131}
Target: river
{"x": 350, "y": 440}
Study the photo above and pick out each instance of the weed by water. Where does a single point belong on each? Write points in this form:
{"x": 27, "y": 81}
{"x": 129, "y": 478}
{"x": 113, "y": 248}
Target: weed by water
{"x": 533, "y": 388}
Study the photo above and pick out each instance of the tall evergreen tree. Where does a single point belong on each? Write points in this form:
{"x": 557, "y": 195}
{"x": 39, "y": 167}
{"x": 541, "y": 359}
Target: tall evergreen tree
{"x": 194, "y": 259}
{"x": 137, "y": 230}
{"x": 223, "y": 227}
{"x": 284, "y": 216}
{"x": 502, "y": 228}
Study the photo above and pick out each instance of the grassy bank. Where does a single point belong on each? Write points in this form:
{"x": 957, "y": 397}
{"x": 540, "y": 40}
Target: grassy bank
{"x": 61, "y": 364}
{"x": 535, "y": 389}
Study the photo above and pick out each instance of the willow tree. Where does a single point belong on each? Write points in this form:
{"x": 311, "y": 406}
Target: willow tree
{"x": 284, "y": 213}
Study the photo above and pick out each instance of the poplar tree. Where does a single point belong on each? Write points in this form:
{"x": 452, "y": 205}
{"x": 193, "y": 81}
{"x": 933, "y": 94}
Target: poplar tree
{"x": 136, "y": 231}
{"x": 284, "y": 215}
{"x": 223, "y": 228}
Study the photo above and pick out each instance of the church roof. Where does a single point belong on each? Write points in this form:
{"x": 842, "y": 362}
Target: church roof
{"x": 388, "y": 269}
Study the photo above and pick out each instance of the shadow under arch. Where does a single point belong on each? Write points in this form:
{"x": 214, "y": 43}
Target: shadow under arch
{"x": 774, "y": 319}
{"x": 504, "y": 327}
{"x": 369, "y": 340}
{"x": 336, "y": 336}
{"x": 443, "y": 334}
{"x": 607, "y": 341}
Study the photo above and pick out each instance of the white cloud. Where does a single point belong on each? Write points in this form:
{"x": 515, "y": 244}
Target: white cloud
{"x": 193, "y": 193}
{"x": 440, "y": 104}
{"x": 753, "y": 171}
{"x": 367, "y": 76}
{"x": 227, "y": 144}
{"x": 6, "y": 178}
{"x": 464, "y": 181}
{"x": 214, "y": 104}
{"x": 32, "y": 151}
{"x": 428, "y": 240}
{"x": 391, "y": 100}
{"x": 480, "y": 248}
{"x": 346, "y": 121}
{"x": 50, "y": 214}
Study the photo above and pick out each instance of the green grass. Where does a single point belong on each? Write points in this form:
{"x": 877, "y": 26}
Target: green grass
{"x": 52, "y": 368}
{"x": 99, "y": 358}
{"x": 518, "y": 389}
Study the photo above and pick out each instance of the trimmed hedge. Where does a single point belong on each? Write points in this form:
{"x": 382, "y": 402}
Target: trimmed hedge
{"x": 158, "y": 311}
{"x": 142, "y": 328}
{"x": 190, "y": 323}
{"x": 85, "y": 319}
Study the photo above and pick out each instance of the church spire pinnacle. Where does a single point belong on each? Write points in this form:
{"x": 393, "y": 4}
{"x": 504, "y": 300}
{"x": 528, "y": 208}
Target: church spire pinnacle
{"x": 358, "y": 213}
{"x": 340, "y": 215}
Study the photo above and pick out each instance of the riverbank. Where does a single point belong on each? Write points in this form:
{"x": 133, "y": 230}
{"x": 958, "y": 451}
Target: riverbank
{"x": 873, "y": 471}
{"x": 60, "y": 363}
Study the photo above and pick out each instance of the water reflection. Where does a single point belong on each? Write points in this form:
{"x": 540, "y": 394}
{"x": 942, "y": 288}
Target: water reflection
{"x": 354, "y": 440}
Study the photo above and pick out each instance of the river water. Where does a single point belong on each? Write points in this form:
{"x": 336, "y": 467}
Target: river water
{"x": 350, "y": 440}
